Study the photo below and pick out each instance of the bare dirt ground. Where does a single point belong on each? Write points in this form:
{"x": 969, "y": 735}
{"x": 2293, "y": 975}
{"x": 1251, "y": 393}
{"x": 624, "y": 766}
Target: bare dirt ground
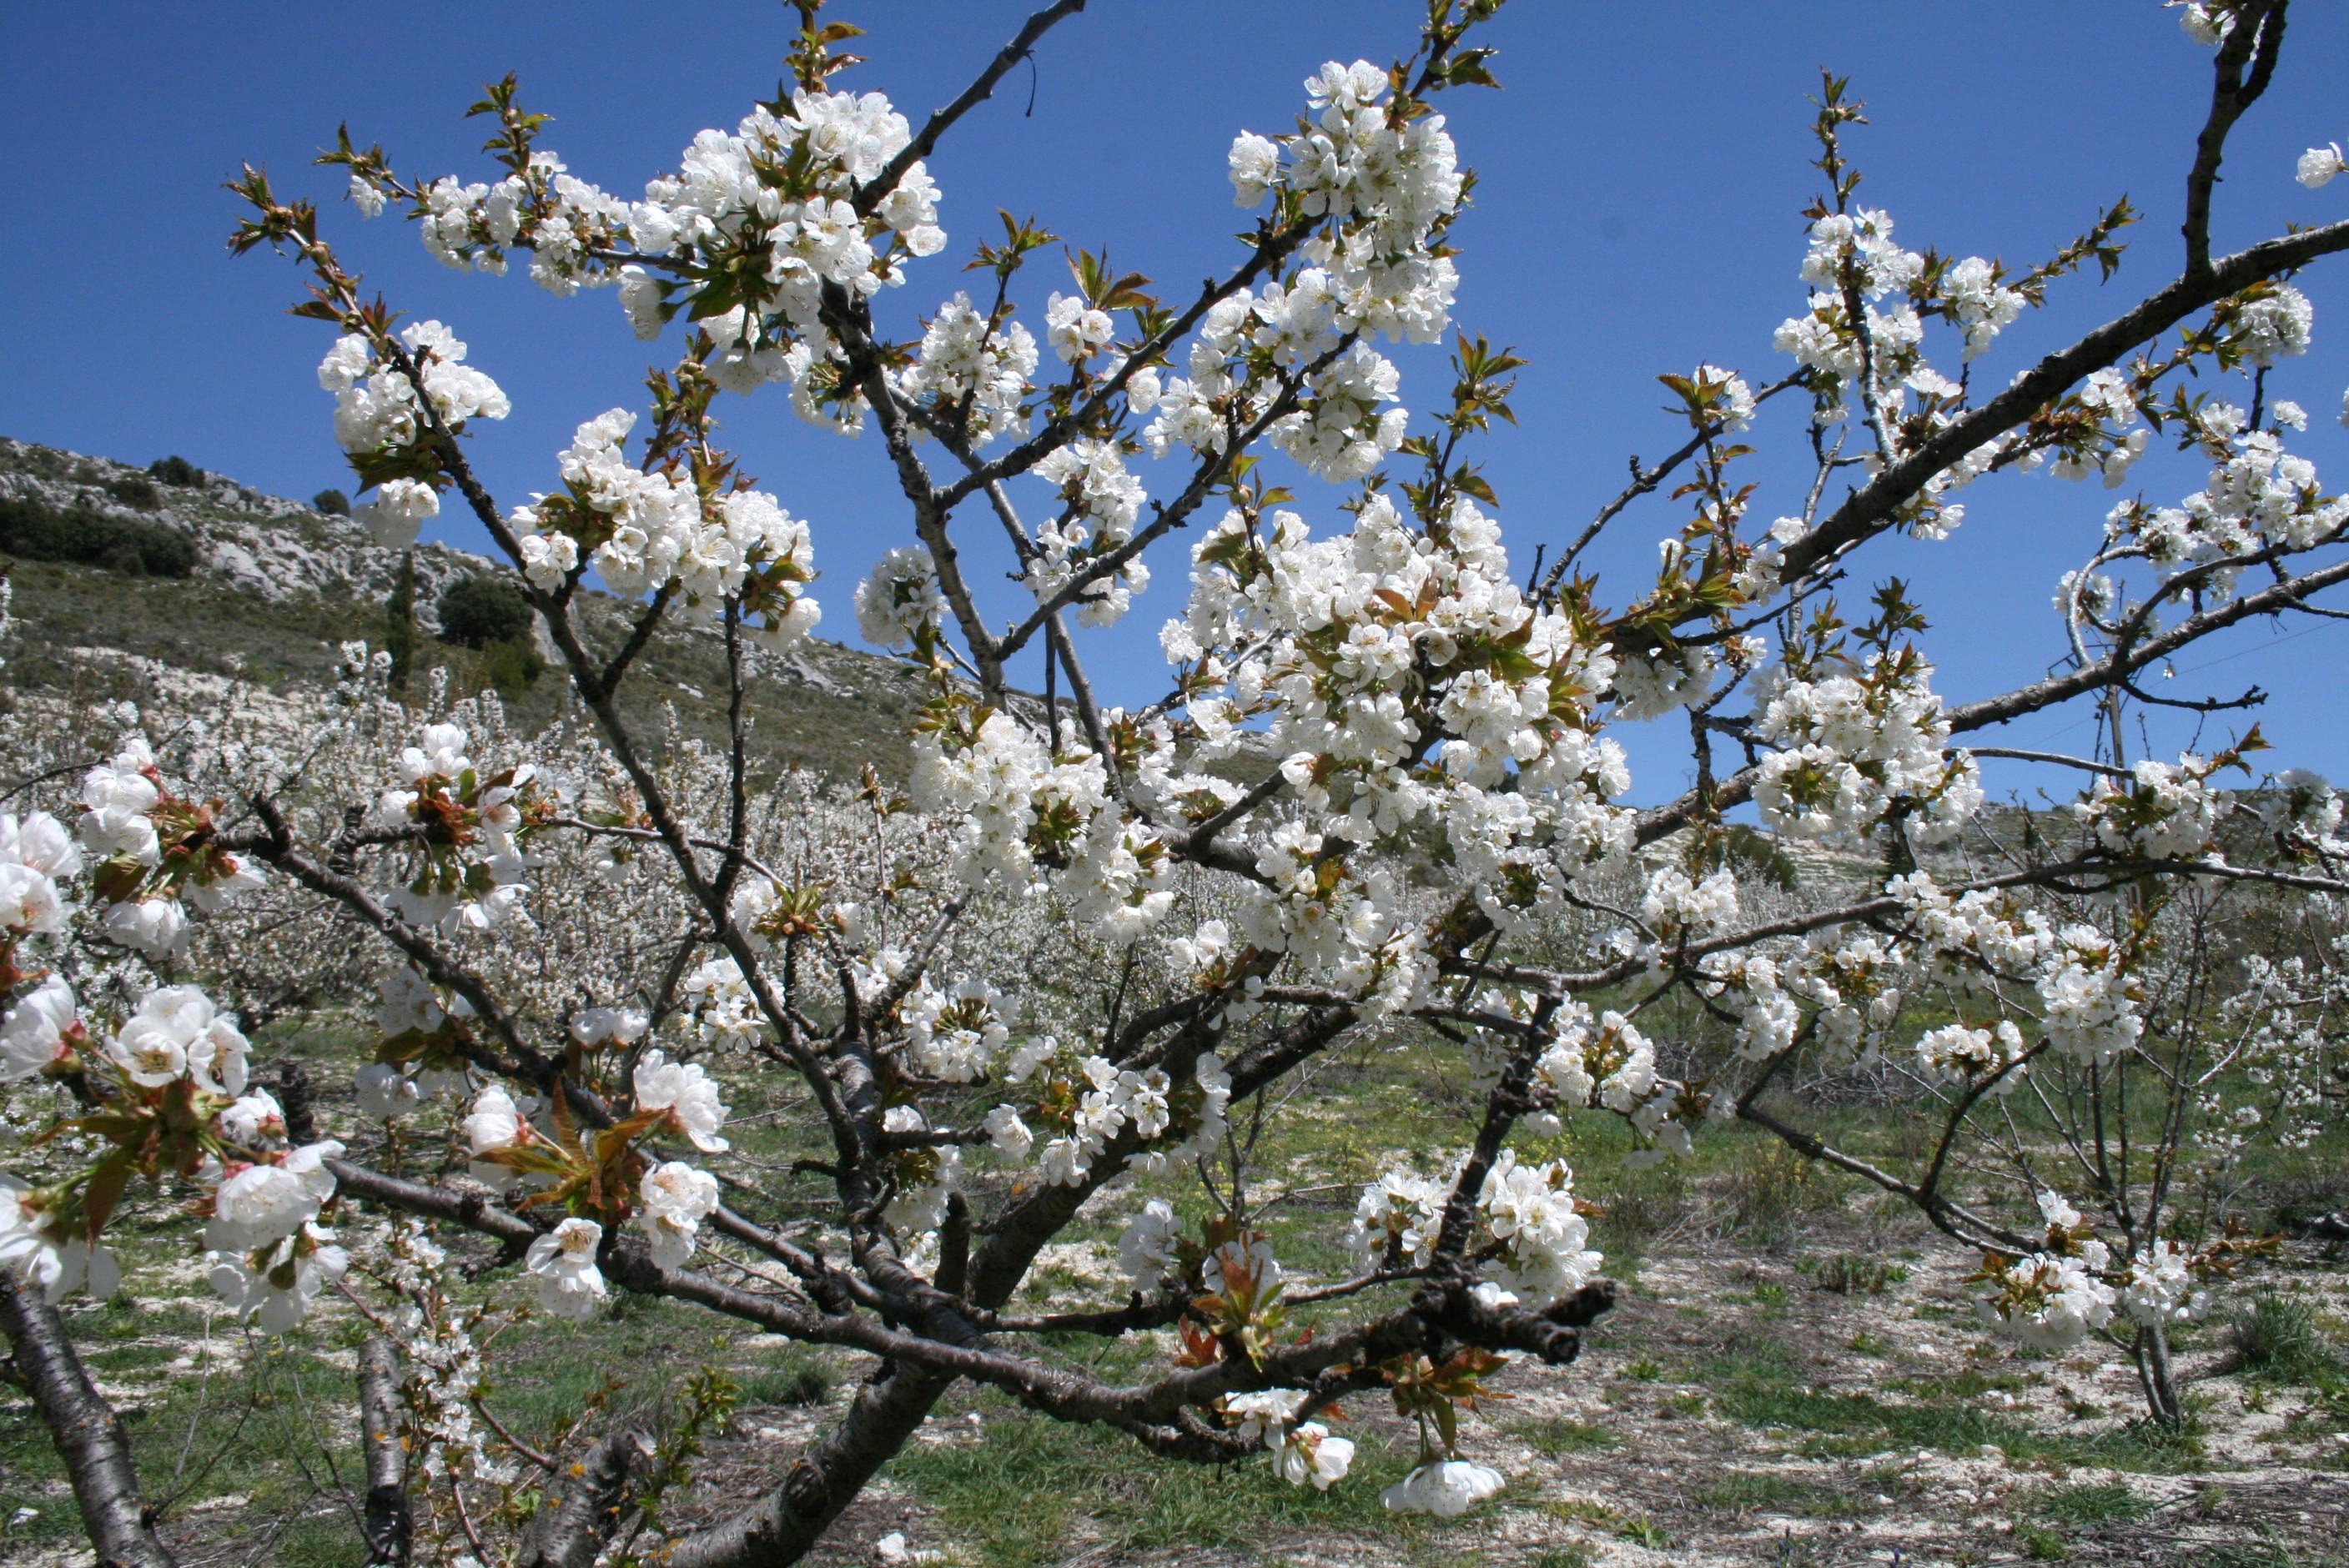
{"x": 1824, "y": 1400}
{"x": 1734, "y": 1410}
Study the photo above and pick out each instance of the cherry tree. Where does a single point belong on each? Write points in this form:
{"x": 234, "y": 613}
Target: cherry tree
{"x": 1053, "y": 976}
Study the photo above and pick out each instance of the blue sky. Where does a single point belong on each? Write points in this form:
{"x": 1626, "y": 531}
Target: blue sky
{"x": 1641, "y": 174}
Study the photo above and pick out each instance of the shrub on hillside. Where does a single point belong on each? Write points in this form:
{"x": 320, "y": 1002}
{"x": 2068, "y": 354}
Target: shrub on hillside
{"x": 333, "y": 503}
{"x": 38, "y": 531}
{"x": 136, "y": 490}
{"x": 510, "y": 667}
{"x": 177, "y": 470}
{"x": 479, "y": 610}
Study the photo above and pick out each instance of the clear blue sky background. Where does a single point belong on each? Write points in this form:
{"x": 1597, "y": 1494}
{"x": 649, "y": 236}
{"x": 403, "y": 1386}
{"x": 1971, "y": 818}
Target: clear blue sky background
{"x": 1642, "y": 176}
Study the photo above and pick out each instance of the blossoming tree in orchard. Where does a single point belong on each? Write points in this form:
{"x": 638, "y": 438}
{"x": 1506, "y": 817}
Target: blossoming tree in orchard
{"x": 1050, "y": 982}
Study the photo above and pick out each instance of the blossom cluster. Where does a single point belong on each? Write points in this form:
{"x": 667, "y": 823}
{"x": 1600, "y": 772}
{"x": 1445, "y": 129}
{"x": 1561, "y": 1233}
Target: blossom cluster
{"x": 180, "y": 1100}
{"x": 1368, "y": 652}
{"x": 1853, "y": 747}
{"x": 2163, "y": 812}
{"x": 646, "y": 531}
{"x": 757, "y": 223}
{"x": 520, "y": 1145}
{"x": 971, "y": 366}
{"x": 381, "y": 423}
{"x": 1964, "y": 1055}
{"x": 443, "y": 1360}
{"x": 1085, "y": 1103}
{"x": 2258, "y": 497}
{"x": 2055, "y": 1297}
{"x": 1101, "y": 500}
{"x": 1526, "y": 1218}
{"x": 156, "y": 854}
{"x": 1018, "y": 804}
{"x": 269, "y": 1254}
{"x": 1305, "y": 1453}
{"x": 1384, "y": 182}
{"x": 464, "y": 831}
{"x": 568, "y": 225}
{"x": 1846, "y": 983}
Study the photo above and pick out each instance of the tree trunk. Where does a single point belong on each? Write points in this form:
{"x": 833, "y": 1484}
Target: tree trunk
{"x": 387, "y": 1517}
{"x": 585, "y": 1505}
{"x": 2158, "y": 1377}
{"x": 88, "y": 1435}
{"x": 887, "y": 1411}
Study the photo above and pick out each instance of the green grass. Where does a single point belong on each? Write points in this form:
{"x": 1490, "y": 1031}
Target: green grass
{"x": 1745, "y": 1355}
{"x": 1638, "y": 1207}
{"x": 798, "y": 1379}
{"x": 255, "y": 1426}
{"x": 2279, "y": 1337}
{"x": 1768, "y": 1189}
{"x": 1574, "y": 1555}
{"x": 2039, "y": 1543}
{"x": 1635, "y": 1528}
{"x": 1857, "y": 1273}
{"x": 1036, "y": 1485}
{"x": 318, "y": 1543}
{"x": 1643, "y": 1531}
{"x": 1559, "y": 1435}
{"x": 1760, "y": 1386}
{"x": 1968, "y": 1383}
{"x": 2270, "y": 1551}
{"x": 2089, "y": 1503}
{"x": 628, "y": 1356}
{"x": 1753, "y": 1491}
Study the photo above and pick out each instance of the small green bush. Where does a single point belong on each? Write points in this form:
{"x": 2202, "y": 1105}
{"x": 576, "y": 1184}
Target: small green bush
{"x": 2279, "y": 1336}
{"x": 333, "y": 503}
{"x": 1643, "y": 1206}
{"x": 1857, "y": 1273}
{"x": 136, "y": 490}
{"x": 2090, "y": 1503}
{"x": 796, "y": 1381}
{"x": 1771, "y": 1187}
{"x": 177, "y": 470}
{"x": 511, "y": 666}
{"x": 477, "y": 610}
{"x": 40, "y": 533}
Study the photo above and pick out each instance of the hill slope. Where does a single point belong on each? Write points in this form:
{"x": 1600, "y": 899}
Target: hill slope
{"x": 275, "y": 586}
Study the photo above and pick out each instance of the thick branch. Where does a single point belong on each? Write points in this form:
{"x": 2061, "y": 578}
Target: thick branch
{"x": 1868, "y": 508}
{"x": 2258, "y": 32}
{"x": 387, "y": 1521}
{"x": 584, "y": 1505}
{"x": 88, "y": 1434}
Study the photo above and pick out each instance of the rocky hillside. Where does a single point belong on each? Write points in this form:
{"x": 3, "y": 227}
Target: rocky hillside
{"x": 271, "y": 587}
{"x": 265, "y": 589}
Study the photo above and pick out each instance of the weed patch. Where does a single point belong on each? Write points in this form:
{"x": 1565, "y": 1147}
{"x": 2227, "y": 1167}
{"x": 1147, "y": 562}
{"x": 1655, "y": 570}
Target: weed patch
{"x": 2279, "y": 1337}
{"x": 1016, "y": 1498}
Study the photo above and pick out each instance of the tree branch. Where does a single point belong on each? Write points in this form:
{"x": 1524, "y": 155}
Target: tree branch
{"x": 982, "y": 87}
{"x": 387, "y": 1521}
{"x": 2256, "y": 36}
{"x": 88, "y": 1435}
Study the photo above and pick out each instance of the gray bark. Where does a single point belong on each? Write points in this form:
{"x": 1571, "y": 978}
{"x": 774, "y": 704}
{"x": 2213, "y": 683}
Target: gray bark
{"x": 387, "y": 1521}
{"x": 88, "y": 1435}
